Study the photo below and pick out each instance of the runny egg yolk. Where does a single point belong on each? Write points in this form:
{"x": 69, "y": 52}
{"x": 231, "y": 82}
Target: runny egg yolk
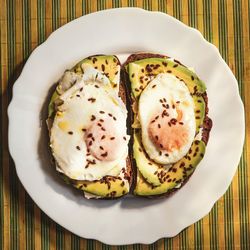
{"x": 168, "y": 133}
{"x": 103, "y": 139}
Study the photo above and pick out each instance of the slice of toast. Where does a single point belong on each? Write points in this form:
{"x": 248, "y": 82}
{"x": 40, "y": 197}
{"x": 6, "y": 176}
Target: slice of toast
{"x": 141, "y": 186}
{"x": 116, "y": 186}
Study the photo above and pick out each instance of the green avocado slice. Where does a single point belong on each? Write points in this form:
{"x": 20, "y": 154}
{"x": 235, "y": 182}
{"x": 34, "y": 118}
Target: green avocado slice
{"x": 108, "y": 64}
{"x": 174, "y": 176}
{"x": 142, "y": 71}
{"x": 151, "y": 175}
{"x": 109, "y": 186}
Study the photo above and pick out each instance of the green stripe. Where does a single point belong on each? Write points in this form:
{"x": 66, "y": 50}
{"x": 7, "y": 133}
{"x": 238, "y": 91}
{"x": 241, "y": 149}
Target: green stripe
{"x": 59, "y": 237}
{"x": 75, "y": 242}
{"x": 192, "y": 10}
{"x": 41, "y": 20}
{"x": 55, "y": 14}
{"x": 162, "y": 6}
{"x": 13, "y": 180}
{"x": 177, "y": 9}
{"x": 45, "y": 227}
{"x": 243, "y": 170}
{"x": 207, "y": 20}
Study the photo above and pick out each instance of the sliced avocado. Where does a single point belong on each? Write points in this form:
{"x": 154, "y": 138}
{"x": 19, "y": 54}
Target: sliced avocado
{"x": 109, "y": 186}
{"x": 151, "y": 171}
{"x": 199, "y": 111}
{"x": 141, "y": 72}
{"x": 51, "y": 108}
{"x": 108, "y": 64}
{"x": 175, "y": 175}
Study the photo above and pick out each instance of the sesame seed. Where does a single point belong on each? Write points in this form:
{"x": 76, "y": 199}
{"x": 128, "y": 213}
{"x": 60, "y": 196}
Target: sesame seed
{"x": 153, "y": 86}
{"x": 192, "y": 77}
{"x": 96, "y": 86}
{"x": 177, "y": 101}
{"x": 103, "y": 67}
{"x": 90, "y": 143}
{"x": 152, "y": 121}
{"x": 140, "y": 149}
{"x": 115, "y": 85}
{"x": 93, "y": 118}
{"x": 101, "y": 112}
{"x": 78, "y": 95}
{"x": 112, "y": 138}
{"x": 103, "y": 129}
{"x": 159, "y": 125}
{"x": 169, "y": 71}
{"x": 114, "y": 118}
{"x": 78, "y": 148}
{"x": 110, "y": 114}
{"x": 124, "y": 138}
{"x": 173, "y": 106}
{"x": 103, "y": 137}
{"x": 181, "y": 123}
{"x": 149, "y": 163}
{"x": 84, "y": 129}
{"x": 176, "y": 65}
{"x": 166, "y": 155}
{"x": 101, "y": 147}
{"x": 161, "y": 146}
{"x": 156, "y": 117}
{"x": 133, "y": 75}
{"x": 81, "y": 89}
{"x": 70, "y": 133}
{"x": 99, "y": 124}
{"x": 156, "y": 137}
{"x": 165, "y": 64}
{"x": 160, "y": 153}
{"x": 116, "y": 72}
{"x": 101, "y": 120}
{"x": 137, "y": 90}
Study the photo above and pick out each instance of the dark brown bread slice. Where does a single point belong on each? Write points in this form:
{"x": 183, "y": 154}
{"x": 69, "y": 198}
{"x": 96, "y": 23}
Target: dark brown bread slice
{"x": 129, "y": 173}
{"x": 207, "y": 124}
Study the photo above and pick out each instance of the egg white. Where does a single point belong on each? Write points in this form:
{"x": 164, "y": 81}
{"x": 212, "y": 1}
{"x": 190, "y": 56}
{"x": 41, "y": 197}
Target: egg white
{"x": 70, "y": 150}
{"x": 172, "y": 89}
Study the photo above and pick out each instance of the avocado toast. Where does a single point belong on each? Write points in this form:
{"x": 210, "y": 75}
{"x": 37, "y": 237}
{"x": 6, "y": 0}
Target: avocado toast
{"x": 99, "y": 75}
{"x": 159, "y": 175}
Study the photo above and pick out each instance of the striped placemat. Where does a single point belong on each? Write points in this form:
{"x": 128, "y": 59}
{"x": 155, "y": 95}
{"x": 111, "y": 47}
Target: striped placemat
{"x": 25, "y": 24}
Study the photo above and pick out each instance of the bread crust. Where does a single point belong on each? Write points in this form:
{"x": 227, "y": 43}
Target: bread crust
{"x": 129, "y": 173}
{"x": 206, "y": 128}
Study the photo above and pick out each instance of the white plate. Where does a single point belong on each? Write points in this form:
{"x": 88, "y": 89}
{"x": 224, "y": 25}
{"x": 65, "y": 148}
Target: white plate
{"x": 129, "y": 220}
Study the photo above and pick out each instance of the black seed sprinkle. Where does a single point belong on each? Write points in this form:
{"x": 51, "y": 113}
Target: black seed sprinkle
{"x": 169, "y": 71}
{"x": 166, "y": 155}
{"x": 101, "y": 112}
{"x": 181, "y": 123}
{"x": 70, "y": 133}
{"x": 104, "y": 154}
{"x": 91, "y": 99}
{"x": 112, "y": 138}
{"x": 161, "y": 146}
{"x": 133, "y": 75}
{"x": 164, "y": 64}
{"x": 173, "y": 106}
{"x": 115, "y": 85}
{"x": 101, "y": 147}
{"x": 81, "y": 89}
{"x": 78, "y": 95}
{"x": 156, "y": 137}
{"x": 106, "y": 61}
{"x": 103, "y": 129}
{"x": 103, "y": 137}
{"x": 103, "y": 67}
{"x": 114, "y": 118}
{"x": 101, "y": 120}
{"x": 160, "y": 153}
{"x": 176, "y": 65}
{"x": 84, "y": 129}
{"x": 96, "y": 86}
{"x": 153, "y": 86}
{"x": 78, "y": 148}
{"x": 159, "y": 125}
{"x": 124, "y": 138}
{"x": 149, "y": 163}
{"x": 92, "y": 118}
{"x": 137, "y": 90}
{"x": 90, "y": 143}
{"x": 99, "y": 124}
{"x": 89, "y": 135}
{"x": 192, "y": 77}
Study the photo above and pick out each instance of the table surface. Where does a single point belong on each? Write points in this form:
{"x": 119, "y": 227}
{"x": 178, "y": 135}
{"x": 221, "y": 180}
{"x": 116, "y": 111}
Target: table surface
{"x": 25, "y": 24}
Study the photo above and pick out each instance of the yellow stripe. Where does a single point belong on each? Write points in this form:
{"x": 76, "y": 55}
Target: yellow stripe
{"x": 37, "y": 226}
{"x": 185, "y": 11}
{"x": 215, "y": 28}
{"x": 63, "y": 12}
{"x": 170, "y": 7}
